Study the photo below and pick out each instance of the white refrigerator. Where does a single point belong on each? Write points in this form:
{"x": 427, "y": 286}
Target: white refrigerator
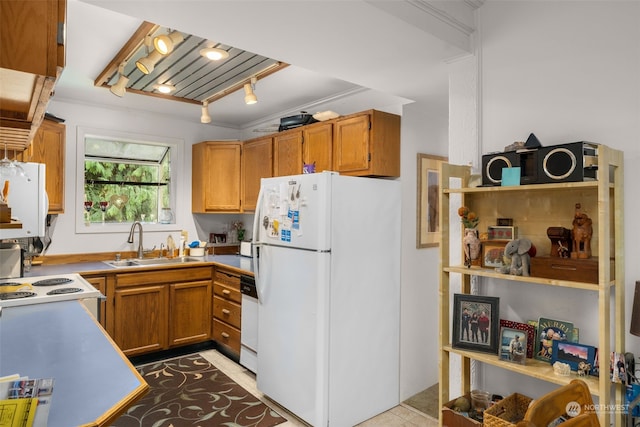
{"x": 327, "y": 267}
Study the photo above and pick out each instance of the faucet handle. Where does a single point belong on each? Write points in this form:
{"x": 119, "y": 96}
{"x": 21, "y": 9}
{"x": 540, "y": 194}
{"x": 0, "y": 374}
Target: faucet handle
{"x": 148, "y": 251}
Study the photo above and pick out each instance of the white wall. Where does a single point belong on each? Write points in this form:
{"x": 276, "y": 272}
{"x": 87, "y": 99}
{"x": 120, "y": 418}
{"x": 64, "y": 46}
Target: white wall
{"x": 64, "y": 238}
{"x": 566, "y": 71}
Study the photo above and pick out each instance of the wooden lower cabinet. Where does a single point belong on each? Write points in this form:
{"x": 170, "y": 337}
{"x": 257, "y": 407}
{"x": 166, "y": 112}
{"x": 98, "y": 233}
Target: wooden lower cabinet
{"x": 100, "y": 283}
{"x": 227, "y": 301}
{"x": 157, "y": 309}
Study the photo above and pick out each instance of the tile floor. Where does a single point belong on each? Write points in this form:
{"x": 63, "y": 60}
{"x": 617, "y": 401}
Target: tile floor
{"x": 400, "y": 416}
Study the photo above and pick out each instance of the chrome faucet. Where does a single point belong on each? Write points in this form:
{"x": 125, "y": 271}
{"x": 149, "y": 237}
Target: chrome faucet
{"x": 130, "y": 240}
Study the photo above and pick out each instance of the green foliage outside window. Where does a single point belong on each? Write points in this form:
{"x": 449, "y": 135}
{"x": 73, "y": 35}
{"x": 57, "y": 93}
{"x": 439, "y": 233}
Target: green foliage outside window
{"x": 133, "y": 191}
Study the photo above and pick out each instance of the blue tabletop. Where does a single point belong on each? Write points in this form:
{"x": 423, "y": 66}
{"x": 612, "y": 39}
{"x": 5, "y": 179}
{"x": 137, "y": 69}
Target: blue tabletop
{"x": 61, "y": 340}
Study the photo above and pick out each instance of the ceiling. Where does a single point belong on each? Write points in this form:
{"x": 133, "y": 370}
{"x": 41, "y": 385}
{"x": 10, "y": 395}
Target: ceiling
{"x": 352, "y": 55}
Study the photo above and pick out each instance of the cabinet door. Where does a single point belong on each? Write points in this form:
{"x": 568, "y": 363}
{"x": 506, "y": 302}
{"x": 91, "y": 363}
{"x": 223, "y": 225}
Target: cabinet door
{"x": 48, "y": 147}
{"x": 351, "y": 144}
{"x": 317, "y": 141}
{"x": 287, "y": 159}
{"x": 216, "y": 177}
{"x": 190, "y": 313}
{"x": 141, "y": 319}
{"x": 257, "y": 161}
{"x": 29, "y": 36}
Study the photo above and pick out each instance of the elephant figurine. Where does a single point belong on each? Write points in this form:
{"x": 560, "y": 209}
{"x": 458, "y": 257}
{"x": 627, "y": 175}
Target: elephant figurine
{"x": 520, "y": 252}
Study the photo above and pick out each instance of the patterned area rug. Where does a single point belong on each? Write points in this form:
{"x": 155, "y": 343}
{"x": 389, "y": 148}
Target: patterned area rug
{"x": 190, "y": 391}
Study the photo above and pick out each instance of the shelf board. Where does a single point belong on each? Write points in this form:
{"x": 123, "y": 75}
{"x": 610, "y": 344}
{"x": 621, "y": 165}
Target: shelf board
{"x": 484, "y": 272}
{"x": 533, "y": 368}
{"x": 12, "y": 224}
{"x": 529, "y": 187}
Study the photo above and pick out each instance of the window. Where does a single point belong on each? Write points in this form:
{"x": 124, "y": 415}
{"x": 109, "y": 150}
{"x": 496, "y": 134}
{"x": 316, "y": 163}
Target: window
{"x": 125, "y": 180}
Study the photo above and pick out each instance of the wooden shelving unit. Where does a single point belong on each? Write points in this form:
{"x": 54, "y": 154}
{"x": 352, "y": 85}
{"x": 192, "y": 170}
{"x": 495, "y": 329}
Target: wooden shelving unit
{"x": 535, "y": 208}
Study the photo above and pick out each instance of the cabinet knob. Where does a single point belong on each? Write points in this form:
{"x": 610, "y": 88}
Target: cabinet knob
{"x": 225, "y": 311}
{"x": 225, "y": 335}
{"x": 226, "y": 292}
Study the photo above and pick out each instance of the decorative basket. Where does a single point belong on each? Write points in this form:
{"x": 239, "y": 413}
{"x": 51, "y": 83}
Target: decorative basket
{"x": 507, "y": 412}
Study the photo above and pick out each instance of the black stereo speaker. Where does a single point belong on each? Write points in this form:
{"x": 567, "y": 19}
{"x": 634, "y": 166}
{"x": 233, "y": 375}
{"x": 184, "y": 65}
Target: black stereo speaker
{"x": 572, "y": 162}
{"x": 492, "y": 165}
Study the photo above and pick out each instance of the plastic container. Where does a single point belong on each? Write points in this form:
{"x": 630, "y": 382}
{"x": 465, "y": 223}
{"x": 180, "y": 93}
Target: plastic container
{"x": 197, "y": 251}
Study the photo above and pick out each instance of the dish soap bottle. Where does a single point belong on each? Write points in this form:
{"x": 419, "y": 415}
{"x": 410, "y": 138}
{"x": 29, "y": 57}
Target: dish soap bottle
{"x": 183, "y": 242}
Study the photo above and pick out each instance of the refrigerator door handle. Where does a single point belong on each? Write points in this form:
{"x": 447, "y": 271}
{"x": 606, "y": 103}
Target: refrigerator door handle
{"x": 256, "y": 240}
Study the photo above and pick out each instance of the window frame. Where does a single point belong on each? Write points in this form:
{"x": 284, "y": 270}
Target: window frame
{"x": 176, "y": 184}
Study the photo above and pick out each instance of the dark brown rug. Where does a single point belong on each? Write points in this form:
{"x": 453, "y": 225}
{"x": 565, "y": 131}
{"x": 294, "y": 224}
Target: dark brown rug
{"x": 190, "y": 391}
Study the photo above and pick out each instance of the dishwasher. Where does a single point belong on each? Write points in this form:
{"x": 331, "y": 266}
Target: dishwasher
{"x": 249, "y": 324}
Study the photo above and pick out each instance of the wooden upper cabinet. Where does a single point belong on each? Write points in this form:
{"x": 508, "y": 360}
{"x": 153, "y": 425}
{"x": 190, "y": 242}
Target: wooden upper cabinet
{"x": 287, "y": 153}
{"x": 32, "y": 36}
{"x": 32, "y": 56}
{"x": 257, "y": 161}
{"x": 48, "y": 147}
{"x": 215, "y": 179}
{"x": 367, "y": 144}
{"x": 317, "y": 144}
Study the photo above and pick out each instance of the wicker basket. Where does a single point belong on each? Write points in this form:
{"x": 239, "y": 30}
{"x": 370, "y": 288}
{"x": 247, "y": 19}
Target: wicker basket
{"x": 507, "y": 412}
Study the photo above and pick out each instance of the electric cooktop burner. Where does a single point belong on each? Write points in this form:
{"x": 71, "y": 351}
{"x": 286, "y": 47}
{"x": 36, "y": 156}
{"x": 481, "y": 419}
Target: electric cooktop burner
{"x": 16, "y": 295}
{"x": 52, "y": 281}
{"x": 64, "y": 291}
{"x": 10, "y": 284}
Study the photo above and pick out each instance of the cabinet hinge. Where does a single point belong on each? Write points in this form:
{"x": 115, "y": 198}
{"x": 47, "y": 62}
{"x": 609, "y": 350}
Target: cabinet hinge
{"x": 60, "y": 35}
{"x": 369, "y": 125}
{"x": 369, "y": 157}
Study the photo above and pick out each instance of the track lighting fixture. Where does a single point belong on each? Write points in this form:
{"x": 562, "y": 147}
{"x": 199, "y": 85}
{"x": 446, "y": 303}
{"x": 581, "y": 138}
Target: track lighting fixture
{"x": 147, "y": 64}
{"x": 205, "y": 117}
{"x": 166, "y": 42}
{"x": 249, "y": 96}
{"x": 120, "y": 87}
{"x": 214, "y": 54}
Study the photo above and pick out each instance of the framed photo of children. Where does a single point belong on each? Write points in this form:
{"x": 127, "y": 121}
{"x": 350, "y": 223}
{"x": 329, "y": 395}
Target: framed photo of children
{"x": 428, "y": 233}
{"x": 513, "y": 345}
{"x": 476, "y": 323}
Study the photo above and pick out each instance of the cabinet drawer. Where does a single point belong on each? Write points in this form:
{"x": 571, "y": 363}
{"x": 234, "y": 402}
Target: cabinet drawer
{"x": 161, "y": 276}
{"x": 227, "y": 335}
{"x": 227, "y": 293}
{"x": 226, "y": 311}
{"x": 227, "y": 278}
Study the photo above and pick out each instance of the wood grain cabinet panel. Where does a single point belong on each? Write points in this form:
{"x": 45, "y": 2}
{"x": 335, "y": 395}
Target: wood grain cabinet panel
{"x": 257, "y": 163}
{"x": 317, "y": 142}
{"x": 189, "y": 313}
{"x": 216, "y": 177}
{"x": 227, "y": 304}
{"x": 287, "y": 148}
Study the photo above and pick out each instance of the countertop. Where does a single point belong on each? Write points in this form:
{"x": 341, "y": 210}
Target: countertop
{"x": 93, "y": 381}
{"x": 235, "y": 261}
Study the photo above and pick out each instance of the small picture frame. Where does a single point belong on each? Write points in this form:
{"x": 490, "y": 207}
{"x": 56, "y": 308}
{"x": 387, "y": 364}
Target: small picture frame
{"x": 528, "y": 329}
{"x": 493, "y": 253}
{"x": 501, "y": 232}
{"x": 573, "y": 354}
{"x": 475, "y": 323}
{"x": 513, "y": 345}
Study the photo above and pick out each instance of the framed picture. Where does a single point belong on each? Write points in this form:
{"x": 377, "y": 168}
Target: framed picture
{"x": 475, "y": 322}
{"x": 513, "y": 345}
{"x": 493, "y": 253}
{"x": 527, "y": 329}
{"x": 573, "y": 354}
{"x": 428, "y": 232}
{"x": 499, "y": 232}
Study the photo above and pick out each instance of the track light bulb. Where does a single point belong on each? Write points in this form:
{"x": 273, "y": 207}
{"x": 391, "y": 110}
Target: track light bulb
{"x": 214, "y": 53}
{"x": 166, "y": 42}
{"x": 148, "y": 63}
{"x": 205, "y": 117}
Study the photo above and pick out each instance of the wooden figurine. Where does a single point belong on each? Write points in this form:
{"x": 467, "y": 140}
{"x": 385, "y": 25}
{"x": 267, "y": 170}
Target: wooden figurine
{"x": 581, "y": 234}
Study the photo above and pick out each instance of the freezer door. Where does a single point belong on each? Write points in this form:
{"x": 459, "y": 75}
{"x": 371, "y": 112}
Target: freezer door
{"x": 293, "y": 211}
{"x": 292, "y": 332}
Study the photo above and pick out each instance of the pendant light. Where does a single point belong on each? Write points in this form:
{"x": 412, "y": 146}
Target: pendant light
{"x": 205, "y": 117}
{"x": 250, "y": 97}
{"x": 120, "y": 87}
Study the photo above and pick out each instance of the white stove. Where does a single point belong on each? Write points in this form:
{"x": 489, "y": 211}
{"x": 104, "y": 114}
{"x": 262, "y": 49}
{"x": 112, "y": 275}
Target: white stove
{"x": 40, "y": 289}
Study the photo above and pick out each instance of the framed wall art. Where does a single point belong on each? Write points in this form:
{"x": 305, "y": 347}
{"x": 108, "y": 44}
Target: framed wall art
{"x": 428, "y": 233}
{"x": 573, "y": 353}
{"x": 476, "y": 323}
{"x": 493, "y": 253}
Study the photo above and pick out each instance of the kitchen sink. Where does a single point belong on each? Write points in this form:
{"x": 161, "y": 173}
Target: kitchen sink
{"x": 151, "y": 261}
